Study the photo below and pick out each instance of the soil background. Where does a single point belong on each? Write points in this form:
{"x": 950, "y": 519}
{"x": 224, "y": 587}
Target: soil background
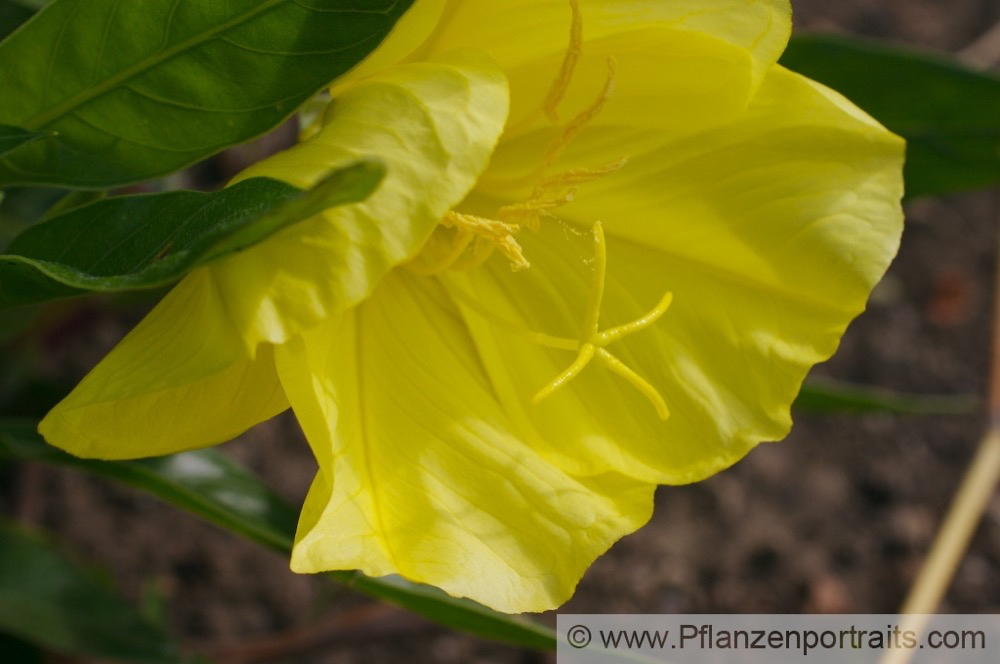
{"x": 837, "y": 518}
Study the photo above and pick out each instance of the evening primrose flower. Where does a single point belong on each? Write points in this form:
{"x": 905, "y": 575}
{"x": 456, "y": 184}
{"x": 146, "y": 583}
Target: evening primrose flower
{"x": 612, "y": 240}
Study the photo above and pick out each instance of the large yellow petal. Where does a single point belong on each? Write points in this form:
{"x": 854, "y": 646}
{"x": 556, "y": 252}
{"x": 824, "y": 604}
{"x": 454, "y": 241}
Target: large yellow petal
{"x": 422, "y": 473}
{"x": 518, "y": 32}
{"x": 434, "y": 125}
{"x": 701, "y": 60}
{"x": 800, "y": 194}
{"x": 180, "y": 380}
{"x": 681, "y": 46}
{"x": 409, "y": 34}
{"x": 769, "y": 232}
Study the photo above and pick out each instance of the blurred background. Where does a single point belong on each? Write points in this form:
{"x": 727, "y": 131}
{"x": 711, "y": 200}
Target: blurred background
{"x": 837, "y": 518}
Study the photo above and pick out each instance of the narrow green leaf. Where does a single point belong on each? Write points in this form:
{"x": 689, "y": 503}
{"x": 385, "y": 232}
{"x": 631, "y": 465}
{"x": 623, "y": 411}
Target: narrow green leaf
{"x": 11, "y": 138}
{"x": 135, "y": 90}
{"x": 47, "y": 600}
{"x": 948, "y": 113}
{"x": 461, "y": 614}
{"x": 827, "y": 395}
{"x": 144, "y": 241}
{"x": 210, "y": 485}
{"x": 205, "y": 483}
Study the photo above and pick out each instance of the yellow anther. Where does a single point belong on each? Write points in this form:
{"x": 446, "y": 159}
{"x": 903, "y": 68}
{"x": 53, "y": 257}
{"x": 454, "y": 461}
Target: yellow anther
{"x": 576, "y": 176}
{"x": 592, "y": 341}
{"x": 558, "y": 90}
{"x": 472, "y": 242}
{"x": 489, "y": 234}
{"x": 531, "y": 211}
{"x": 577, "y": 124}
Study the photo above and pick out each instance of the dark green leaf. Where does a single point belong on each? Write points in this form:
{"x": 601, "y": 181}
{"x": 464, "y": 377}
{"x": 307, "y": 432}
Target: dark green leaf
{"x": 827, "y": 395}
{"x": 136, "y": 90}
{"x": 949, "y": 114}
{"x": 45, "y": 599}
{"x": 135, "y": 242}
{"x": 206, "y": 483}
{"x": 12, "y": 15}
{"x": 213, "y": 487}
{"x": 22, "y": 652}
{"x": 11, "y": 138}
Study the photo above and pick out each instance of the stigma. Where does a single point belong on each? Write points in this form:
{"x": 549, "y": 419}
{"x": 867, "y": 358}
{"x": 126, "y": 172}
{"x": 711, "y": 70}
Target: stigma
{"x": 592, "y": 341}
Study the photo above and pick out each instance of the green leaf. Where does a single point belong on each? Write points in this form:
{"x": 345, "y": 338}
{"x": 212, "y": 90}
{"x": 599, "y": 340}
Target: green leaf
{"x": 136, "y": 90}
{"x": 827, "y": 395}
{"x": 22, "y": 652}
{"x": 205, "y": 483}
{"x": 948, "y": 113}
{"x": 144, "y": 241}
{"x": 12, "y": 138}
{"x": 210, "y": 485}
{"x": 461, "y": 614}
{"x": 47, "y": 600}
{"x": 13, "y": 14}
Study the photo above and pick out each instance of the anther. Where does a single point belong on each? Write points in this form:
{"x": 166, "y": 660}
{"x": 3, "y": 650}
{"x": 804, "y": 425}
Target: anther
{"x": 489, "y": 234}
{"x": 530, "y": 212}
{"x": 577, "y": 176}
{"x": 558, "y": 90}
{"x": 577, "y": 124}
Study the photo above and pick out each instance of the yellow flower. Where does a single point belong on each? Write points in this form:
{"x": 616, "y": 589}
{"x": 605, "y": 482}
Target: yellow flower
{"x": 613, "y": 238}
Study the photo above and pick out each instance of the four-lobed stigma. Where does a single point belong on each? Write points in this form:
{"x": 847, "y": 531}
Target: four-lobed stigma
{"x": 592, "y": 341}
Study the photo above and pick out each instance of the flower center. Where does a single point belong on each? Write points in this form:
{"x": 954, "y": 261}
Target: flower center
{"x": 464, "y": 241}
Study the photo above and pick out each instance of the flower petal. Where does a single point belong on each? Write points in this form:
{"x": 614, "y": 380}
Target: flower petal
{"x": 677, "y": 46}
{"x": 800, "y": 194}
{"x": 770, "y": 233}
{"x": 518, "y": 32}
{"x": 421, "y": 472}
{"x": 434, "y": 125}
{"x": 178, "y": 381}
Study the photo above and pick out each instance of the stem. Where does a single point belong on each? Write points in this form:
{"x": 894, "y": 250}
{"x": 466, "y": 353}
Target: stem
{"x": 973, "y": 496}
{"x": 953, "y": 538}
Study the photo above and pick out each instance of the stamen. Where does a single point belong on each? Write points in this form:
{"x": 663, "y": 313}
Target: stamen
{"x": 578, "y": 123}
{"x": 490, "y": 234}
{"x": 531, "y": 211}
{"x": 558, "y": 90}
{"x": 577, "y": 176}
